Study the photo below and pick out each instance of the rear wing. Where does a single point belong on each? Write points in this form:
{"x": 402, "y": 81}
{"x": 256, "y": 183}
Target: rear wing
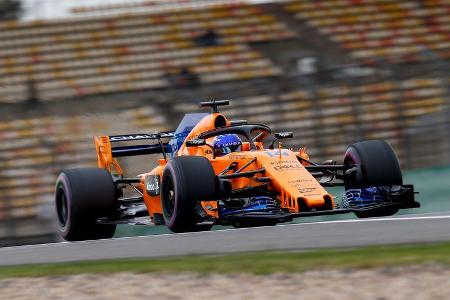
{"x": 107, "y": 154}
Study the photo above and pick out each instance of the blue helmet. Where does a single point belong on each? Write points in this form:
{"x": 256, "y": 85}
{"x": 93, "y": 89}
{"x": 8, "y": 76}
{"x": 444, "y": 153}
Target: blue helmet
{"x": 226, "y": 143}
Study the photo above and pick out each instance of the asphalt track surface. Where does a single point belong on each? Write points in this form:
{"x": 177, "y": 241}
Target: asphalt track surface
{"x": 423, "y": 228}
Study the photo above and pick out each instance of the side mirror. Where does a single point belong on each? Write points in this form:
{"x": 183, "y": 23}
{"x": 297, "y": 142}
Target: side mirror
{"x": 327, "y": 176}
{"x": 284, "y": 135}
{"x": 280, "y": 136}
{"x": 329, "y": 162}
{"x": 238, "y": 122}
{"x": 196, "y": 143}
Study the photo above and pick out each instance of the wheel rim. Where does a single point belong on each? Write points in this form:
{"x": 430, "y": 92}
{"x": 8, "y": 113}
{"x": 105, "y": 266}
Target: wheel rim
{"x": 61, "y": 207}
{"x": 169, "y": 196}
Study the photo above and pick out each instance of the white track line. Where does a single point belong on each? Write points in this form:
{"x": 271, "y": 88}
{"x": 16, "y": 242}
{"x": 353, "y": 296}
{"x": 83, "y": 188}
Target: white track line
{"x": 437, "y": 213}
{"x": 406, "y": 218}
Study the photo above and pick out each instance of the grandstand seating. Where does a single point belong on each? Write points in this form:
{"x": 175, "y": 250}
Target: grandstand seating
{"x": 400, "y": 31}
{"x": 132, "y": 52}
{"x": 33, "y": 151}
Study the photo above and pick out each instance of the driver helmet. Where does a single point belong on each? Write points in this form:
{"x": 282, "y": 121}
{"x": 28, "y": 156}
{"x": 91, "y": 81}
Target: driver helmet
{"x": 226, "y": 143}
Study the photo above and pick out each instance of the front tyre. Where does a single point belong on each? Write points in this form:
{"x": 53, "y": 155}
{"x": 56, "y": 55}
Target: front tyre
{"x": 186, "y": 180}
{"x": 81, "y": 197}
{"x": 378, "y": 166}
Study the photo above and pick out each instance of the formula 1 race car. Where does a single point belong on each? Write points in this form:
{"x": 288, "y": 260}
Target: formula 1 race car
{"x": 218, "y": 171}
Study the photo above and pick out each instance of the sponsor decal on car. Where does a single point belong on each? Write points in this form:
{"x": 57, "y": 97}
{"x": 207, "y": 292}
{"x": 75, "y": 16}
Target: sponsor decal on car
{"x": 131, "y": 137}
{"x": 199, "y": 142}
{"x": 285, "y": 165}
{"x": 152, "y": 185}
{"x": 274, "y": 153}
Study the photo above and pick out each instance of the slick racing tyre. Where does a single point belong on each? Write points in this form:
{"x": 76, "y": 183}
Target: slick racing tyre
{"x": 379, "y": 166}
{"x": 186, "y": 180}
{"x": 81, "y": 197}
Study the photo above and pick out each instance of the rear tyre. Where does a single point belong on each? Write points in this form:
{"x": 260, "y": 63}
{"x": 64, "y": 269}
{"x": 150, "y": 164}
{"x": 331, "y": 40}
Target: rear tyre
{"x": 186, "y": 180}
{"x": 81, "y": 197}
{"x": 378, "y": 167}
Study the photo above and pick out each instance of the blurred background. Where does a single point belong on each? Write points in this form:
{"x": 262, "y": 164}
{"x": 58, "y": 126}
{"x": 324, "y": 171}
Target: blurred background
{"x": 334, "y": 72}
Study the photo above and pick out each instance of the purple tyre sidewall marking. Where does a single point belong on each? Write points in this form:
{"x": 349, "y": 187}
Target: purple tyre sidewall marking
{"x": 350, "y": 154}
{"x": 174, "y": 182}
